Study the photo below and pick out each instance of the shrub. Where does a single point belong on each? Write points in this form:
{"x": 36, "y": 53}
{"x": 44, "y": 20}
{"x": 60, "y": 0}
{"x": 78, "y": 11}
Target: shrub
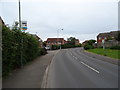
{"x": 115, "y": 47}
{"x": 87, "y": 46}
{"x": 55, "y": 47}
{"x": 17, "y": 44}
{"x": 42, "y": 51}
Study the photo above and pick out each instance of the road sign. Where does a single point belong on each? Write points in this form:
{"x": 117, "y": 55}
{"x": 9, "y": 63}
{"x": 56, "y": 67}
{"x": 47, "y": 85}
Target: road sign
{"x": 24, "y": 25}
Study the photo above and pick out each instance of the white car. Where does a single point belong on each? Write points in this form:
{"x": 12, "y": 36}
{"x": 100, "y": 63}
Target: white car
{"x": 47, "y": 48}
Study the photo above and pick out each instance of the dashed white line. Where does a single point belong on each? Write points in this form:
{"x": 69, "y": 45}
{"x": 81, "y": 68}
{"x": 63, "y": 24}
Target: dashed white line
{"x": 74, "y": 56}
{"x": 90, "y": 67}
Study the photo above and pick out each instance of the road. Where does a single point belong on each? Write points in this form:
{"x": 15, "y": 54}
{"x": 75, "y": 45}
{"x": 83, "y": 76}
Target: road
{"x": 71, "y": 68}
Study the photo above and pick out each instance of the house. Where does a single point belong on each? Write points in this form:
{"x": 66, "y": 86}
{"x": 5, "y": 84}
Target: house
{"x": 109, "y": 38}
{"x": 85, "y": 42}
{"x": 55, "y": 41}
{"x": 77, "y": 42}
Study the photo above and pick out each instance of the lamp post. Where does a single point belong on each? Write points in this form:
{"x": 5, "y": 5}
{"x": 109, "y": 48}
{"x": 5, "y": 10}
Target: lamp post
{"x": 58, "y": 37}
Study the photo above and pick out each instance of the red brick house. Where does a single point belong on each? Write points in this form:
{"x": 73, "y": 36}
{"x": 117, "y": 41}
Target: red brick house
{"x": 109, "y": 38}
{"x": 55, "y": 41}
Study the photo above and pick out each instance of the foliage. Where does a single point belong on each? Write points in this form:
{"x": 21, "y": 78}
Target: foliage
{"x": 71, "y": 40}
{"x": 17, "y": 46}
{"x": 115, "y": 47}
{"x": 118, "y": 36}
{"x": 44, "y": 44}
{"x": 55, "y": 47}
{"x": 42, "y": 51}
{"x": 70, "y": 46}
{"x": 89, "y": 44}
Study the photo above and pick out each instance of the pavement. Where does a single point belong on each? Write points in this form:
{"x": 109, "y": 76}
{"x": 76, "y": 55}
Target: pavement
{"x": 31, "y": 75}
{"x": 74, "y": 68}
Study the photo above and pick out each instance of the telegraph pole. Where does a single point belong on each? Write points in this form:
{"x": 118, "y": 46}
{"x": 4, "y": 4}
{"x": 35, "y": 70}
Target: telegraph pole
{"x": 21, "y": 61}
{"x": 19, "y": 15}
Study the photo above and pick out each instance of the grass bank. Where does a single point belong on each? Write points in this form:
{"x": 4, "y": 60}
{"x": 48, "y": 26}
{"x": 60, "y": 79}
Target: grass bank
{"x": 107, "y": 52}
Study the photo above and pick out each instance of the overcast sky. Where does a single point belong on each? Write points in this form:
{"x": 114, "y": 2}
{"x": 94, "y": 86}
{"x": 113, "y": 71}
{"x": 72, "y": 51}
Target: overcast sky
{"x": 83, "y": 19}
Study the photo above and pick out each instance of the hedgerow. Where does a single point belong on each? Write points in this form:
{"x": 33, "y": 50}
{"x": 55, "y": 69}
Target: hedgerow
{"x": 17, "y": 46}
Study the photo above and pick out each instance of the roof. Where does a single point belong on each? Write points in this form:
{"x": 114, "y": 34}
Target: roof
{"x": 108, "y": 34}
{"x": 55, "y": 39}
{"x": 77, "y": 40}
{"x": 34, "y": 35}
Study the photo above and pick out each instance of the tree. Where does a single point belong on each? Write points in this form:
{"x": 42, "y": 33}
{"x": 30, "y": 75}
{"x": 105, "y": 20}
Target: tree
{"x": 90, "y": 42}
{"x": 71, "y": 40}
{"x": 15, "y": 25}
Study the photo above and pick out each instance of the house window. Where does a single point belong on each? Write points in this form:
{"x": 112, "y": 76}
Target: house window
{"x": 99, "y": 38}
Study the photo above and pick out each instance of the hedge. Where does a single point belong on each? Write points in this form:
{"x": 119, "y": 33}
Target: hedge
{"x": 88, "y": 46}
{"x": 55, "y": 47}
{"x": 115, "y": 47}
{"x": 14, "y": 44}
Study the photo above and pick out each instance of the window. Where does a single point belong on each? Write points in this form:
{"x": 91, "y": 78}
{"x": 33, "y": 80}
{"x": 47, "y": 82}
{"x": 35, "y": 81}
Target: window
{"x": 99, "y": 38}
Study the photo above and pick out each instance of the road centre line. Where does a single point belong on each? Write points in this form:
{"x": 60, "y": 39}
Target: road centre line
{"x": 90, "y": 67}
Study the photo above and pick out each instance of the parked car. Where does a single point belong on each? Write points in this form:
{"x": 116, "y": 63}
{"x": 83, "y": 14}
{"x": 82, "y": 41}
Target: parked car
{"x": 47, "y": 47}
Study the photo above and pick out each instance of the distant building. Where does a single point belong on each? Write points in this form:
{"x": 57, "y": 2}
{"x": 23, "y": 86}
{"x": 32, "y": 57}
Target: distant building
{"x": 77, "y": 42}
{"x": 109, "y": 38}
{"x": 84, "y": 43}
{"x": 55, "y": 41}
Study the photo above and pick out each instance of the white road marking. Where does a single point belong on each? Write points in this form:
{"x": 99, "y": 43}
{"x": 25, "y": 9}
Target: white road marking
{"x": 90, "y": 67}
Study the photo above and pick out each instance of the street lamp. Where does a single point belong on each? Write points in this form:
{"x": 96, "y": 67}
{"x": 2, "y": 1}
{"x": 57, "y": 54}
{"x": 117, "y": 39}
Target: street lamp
{"x": 58, "y": 37}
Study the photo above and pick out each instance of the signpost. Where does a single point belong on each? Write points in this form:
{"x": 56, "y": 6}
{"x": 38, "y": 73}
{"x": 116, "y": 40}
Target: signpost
{"x": 24, "y": 25}
{"x": 103, "y": 43}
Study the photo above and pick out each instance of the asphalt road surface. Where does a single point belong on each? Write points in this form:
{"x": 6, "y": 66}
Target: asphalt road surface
{"x": 71, "y": 68}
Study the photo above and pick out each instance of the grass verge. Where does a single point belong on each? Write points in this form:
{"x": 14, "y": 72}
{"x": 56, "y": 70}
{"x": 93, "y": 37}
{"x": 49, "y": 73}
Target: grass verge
{"x": 107, "y": 52}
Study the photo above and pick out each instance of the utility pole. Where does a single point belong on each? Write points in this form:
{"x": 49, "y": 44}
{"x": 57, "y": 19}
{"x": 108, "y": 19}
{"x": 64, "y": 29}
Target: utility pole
{"x": 19, "y": 15}
{"x": 21, "y": 61}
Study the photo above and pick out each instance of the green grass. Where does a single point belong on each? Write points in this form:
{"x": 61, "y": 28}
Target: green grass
{"x": 108, "y": 52}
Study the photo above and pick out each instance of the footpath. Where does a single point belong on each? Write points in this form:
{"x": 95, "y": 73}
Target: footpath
{"x": 31, "y": 75}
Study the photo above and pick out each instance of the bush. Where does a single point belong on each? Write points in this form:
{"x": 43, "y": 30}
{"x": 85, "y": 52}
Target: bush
{"x": 17, "y": 44}
{"x": 55, "y": 47}
{"x": 42, "y": 51}
{"x": 78, "y": 45}
{"x": 87, "y": 46}
{"x": 115, "y": 47}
